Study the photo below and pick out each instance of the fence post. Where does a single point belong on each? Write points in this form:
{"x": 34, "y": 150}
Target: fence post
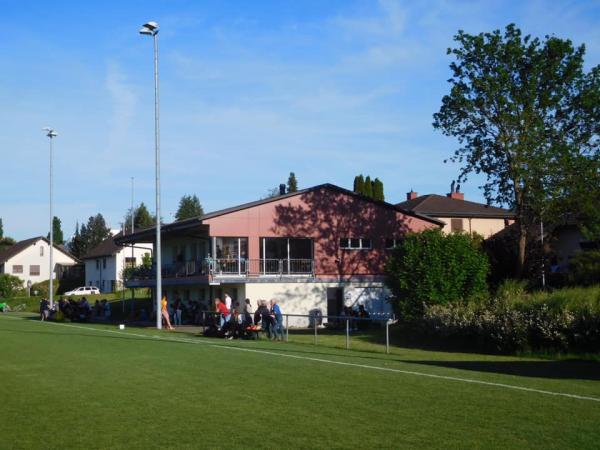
{"x": 287, "y": 329}
{"x": 347, "y": 334}
{"x": 387, "y": 337}
{"x": 315, "y": 322}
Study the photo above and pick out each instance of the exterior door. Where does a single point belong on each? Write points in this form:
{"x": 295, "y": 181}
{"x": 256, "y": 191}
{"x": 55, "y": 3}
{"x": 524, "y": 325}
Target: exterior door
{"x": 335, "y": 302}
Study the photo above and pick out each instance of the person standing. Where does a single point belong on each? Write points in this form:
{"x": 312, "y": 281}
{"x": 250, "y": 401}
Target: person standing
{"x": 44, "y": 309}
{"x": 248, "y": 313}
{"x": 165, "y": 311}
{"x": 224, "y": 312}
{"x": 178, "y": 311}
{"x": 228, "y": 301}
{"x": 278, "y": 320}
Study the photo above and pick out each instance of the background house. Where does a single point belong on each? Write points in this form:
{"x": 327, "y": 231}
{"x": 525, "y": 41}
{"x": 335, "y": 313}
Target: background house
{"x": 29, "y": 260}
{"x": 104, "y": 263}
{"x": 459, "y": 215}
{"x": 318, "y": 248}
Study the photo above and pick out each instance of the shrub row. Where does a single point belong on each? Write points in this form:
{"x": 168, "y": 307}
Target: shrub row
{"x": 500, "y": 326}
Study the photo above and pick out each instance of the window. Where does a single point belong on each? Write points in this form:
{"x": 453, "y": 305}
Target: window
{"x": 34, "y": 270}
{"x": 129, "y": 262}
{"x": 231, "y": 248}
{"x": 17, "y": 269}
{"x": 104, "y": 263}
{"x": 41, "y": 250}
{"x": 392, "y": 243}
{"x": 456, "y": 225}
{"x": 355, "y": 243}
{"x": 97, "y": 264}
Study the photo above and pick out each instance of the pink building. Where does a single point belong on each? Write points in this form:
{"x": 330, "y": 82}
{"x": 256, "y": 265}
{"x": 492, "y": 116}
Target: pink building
{"x": 318, "y": 248}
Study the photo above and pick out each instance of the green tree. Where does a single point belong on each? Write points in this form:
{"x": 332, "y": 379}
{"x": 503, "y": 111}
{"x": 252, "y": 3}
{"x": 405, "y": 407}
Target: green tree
{"x": 435, "y": 268}
{"x": 9, "y": 285}
{"x": 189, "y": 206}
{"x": 1, "y": 229}
{"x": 525, "y": 113}
{"x": 368, "y": 187}
{"x": 57, "y": 233}
{"x": 96, "y": 231}
{"x": 359, "y": 184}
{"x": 292, "y": 183}
{"x": 75, "y": 245}
{"x": 142, "y": 218}
{"x": 378, "y": 190}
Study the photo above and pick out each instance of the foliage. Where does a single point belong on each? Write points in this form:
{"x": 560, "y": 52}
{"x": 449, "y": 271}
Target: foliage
{"x": 6, "y": 242}
{"x": 1, "y": 229}
{"x": 141, "y": 218}
{"x": 584, "y": 268}
{"x": 369, "y": 188}
{"x": 9, "y": 285}
{"x": 292, "y": 183}
{"x": 527, "y": 116}
{"x": 189, "y": 206}
{"x": 545, "y": 322}
{"x": 359, "y": 184}
{"x": 88, "y": 237}
{"x": 57, "y": 233}
{"x": 435, "y": 268}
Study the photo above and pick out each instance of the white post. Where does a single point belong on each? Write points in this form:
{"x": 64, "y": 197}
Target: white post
{"x": 157, "y": 171}
{"x": 347, "y": 334}
{"x": 542, "y": 242}
{"x": 51, "y": 289}
{"x": 387, "y": 337}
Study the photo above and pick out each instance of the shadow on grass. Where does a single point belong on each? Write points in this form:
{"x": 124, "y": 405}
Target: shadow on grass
{"x": 576, "y": 370}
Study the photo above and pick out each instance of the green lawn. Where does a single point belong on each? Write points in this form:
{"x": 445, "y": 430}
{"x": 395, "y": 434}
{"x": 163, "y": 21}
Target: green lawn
{"x": 91, "y": 386}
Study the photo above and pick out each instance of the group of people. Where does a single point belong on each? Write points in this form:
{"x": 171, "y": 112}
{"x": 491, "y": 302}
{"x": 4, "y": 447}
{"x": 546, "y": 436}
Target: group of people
{"x": 361, "y": 313}
{"x": 76, "y": 310}
{"x": 234, "y": 320}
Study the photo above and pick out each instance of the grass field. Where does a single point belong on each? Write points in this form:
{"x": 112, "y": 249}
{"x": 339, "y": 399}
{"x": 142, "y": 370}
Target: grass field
{"x": 93, "y": 386}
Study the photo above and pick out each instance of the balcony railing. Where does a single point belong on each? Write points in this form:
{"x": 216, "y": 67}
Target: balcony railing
{"x": 227, "y": 268}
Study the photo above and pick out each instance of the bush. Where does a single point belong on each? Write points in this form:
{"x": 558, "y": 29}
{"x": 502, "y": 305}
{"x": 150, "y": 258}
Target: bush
{"x": 9, "y": 285}
{"x": 563, "y": 321}
{"x": 430, "y": 268}
{"x": 584, "y": 268}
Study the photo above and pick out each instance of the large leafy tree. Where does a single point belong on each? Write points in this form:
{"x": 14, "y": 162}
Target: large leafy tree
{"x": 1, "y": 229}
{"x": 89, "y": 236}
{"x": 526, "y": 114}
{"x": 57, "y": 233}
{"x": 189, "y": 206}
{"x": 141, "y": 218}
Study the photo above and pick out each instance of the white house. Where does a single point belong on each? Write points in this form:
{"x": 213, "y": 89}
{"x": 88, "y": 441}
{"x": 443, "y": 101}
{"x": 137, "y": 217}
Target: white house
{"x": 30, "y": 260}
{"x": 104, "y": 263}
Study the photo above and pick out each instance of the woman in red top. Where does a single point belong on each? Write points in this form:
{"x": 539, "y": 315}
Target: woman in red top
{"x": 223, "y": 311}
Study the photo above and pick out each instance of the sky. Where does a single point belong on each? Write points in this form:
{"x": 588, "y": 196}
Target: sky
{"x": 249, "y": 91}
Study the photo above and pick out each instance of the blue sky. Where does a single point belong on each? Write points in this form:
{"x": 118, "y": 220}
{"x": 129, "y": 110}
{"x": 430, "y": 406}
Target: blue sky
{"x": 249, "y": 92}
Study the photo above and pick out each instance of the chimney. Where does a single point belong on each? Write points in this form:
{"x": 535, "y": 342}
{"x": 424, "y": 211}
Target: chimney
{"x": 455, "y": 192}
{"x": 281, "y": 189}
{"x": 411, "y": 195}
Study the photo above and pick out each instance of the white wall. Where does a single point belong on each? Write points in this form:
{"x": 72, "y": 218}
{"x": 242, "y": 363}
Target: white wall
{"x": 31, "y": 256}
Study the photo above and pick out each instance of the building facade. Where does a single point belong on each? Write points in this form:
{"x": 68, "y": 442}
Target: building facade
{"x": 317, "y": 249}
{"x": 29, "y": 260}
{"x": 104, "y": 264}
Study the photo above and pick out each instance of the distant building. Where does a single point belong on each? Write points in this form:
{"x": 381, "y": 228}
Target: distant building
{"x": 104, "y": 263}
{"x": 30, "y": 261}
{"x": 458, "y": 214}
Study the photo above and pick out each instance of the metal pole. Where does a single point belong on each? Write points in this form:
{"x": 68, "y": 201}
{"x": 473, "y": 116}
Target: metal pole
{"x": 287, "y": 329}
{"x": 347, "y": 334}
{"x": 542, "y": 240}
{"x": 51, "y": 289}
{"x": 315, "y": 321}
{"x": 157, "y": 169}
{"x": 387, "y": 337}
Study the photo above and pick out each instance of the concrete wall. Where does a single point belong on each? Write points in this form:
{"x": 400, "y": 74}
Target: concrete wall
{"x": 32, "y": 256}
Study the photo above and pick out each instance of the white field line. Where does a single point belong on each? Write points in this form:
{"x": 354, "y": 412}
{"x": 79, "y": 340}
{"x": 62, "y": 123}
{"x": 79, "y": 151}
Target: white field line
{"x": 339, "y": 363}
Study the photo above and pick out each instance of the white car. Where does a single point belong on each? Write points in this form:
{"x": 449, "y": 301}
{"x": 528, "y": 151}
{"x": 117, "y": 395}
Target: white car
{"x": 84, "y": 290}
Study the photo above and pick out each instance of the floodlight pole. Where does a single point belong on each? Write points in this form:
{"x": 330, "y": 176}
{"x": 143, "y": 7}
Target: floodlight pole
{"x": 151, "y": 29}
{"x": 51, "y": 134}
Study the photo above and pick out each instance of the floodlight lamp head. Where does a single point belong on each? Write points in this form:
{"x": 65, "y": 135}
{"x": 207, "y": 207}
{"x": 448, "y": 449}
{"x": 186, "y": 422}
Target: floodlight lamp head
{"x": 50, "y": 132}
{"x": 149, "y": 29}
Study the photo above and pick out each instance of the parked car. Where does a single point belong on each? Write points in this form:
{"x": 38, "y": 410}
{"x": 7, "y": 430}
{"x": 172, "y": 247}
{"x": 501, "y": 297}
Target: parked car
{"x": 84, "y": 290}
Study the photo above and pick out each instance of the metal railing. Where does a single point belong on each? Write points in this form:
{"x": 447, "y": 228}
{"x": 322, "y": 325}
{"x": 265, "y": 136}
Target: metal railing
{"x": 313, "y": 322}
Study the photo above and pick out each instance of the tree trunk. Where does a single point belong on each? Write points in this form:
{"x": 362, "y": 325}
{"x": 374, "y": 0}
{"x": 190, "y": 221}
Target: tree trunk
{"x": 522, "y": 247}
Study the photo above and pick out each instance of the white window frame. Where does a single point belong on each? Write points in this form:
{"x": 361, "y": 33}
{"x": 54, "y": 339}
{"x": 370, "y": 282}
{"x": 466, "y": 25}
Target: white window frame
{"x": 361, "y": 246}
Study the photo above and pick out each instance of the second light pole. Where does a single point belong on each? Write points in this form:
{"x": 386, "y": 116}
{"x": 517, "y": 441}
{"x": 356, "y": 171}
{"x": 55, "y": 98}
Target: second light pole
{"x": 151, "y": 29}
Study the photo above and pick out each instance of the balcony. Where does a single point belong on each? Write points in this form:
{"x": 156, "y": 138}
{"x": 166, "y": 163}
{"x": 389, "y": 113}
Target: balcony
{"x": 227, "y": 268}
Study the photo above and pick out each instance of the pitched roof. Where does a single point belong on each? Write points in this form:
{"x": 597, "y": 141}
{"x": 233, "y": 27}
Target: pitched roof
{"x": 107, "y": 247}
{"x": 195, "y": 221}
{"x": 22, "y": 245}
{"x": 442, "y": 206}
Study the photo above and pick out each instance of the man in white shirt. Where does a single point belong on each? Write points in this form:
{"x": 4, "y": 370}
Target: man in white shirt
{"x": 228, "y": 301}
